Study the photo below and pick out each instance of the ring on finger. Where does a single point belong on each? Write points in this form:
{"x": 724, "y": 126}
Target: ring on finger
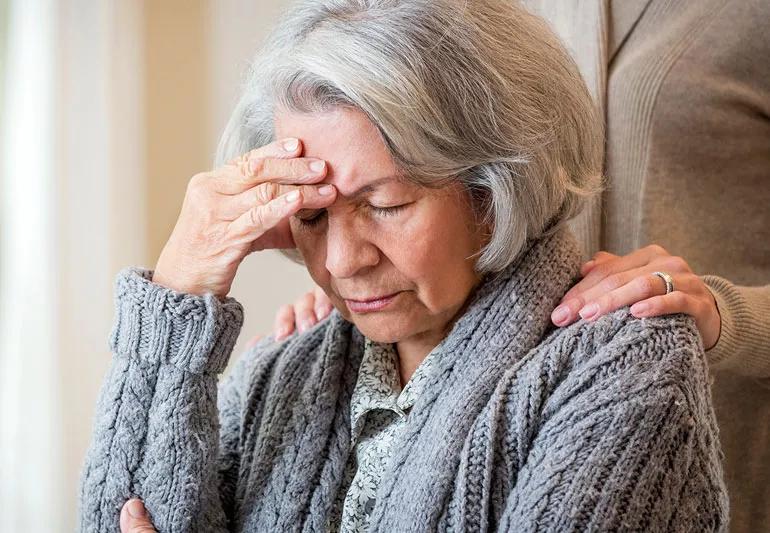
{"x": 667, "y": 279}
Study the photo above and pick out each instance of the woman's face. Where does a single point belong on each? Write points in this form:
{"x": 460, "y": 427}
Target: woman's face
{"x": 394, "y": 258}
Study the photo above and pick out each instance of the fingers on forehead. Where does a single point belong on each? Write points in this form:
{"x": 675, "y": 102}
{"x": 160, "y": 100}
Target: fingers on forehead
{"x": 282, "y": 148}
{"x": 276, "y": 149}
{"x": 268, "y": 191}
{"x": 283, "y": 171}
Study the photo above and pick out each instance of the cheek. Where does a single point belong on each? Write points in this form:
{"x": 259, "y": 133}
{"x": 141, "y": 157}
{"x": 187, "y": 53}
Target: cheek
{"x": 431, "y": 250}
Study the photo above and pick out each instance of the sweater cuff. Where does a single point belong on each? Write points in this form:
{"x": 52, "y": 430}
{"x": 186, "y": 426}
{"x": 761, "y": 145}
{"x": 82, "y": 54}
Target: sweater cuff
{"x": 742, "y": 346}
{"x": 156, "y": 324}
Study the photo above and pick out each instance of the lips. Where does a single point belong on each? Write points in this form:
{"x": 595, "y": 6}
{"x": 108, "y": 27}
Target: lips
{"x": 371, "y": 305}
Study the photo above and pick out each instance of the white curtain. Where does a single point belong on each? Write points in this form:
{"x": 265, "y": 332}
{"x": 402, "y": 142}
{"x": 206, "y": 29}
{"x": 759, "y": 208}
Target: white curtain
{"x": 71, "y": 214}
{"x": 29, "y": 465}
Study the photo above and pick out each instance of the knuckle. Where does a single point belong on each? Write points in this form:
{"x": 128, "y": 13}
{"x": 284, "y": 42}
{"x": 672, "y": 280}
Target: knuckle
{"x": 678, "y": 264}
{"x": 608, "y": 302}
{"x": 265, "y": 192}
{"x": 239, "y": 159}
{"x": 297, "y": 167}
{"x": 657, "y": 249}
{"x": 602, "y": 271}
{"x": 198, "y": 189}
{"x": 646, "y": 285}
{"x": 612, "y": 282}
{"x": 576, "y": 302}
{"x": 255, "y": 165}
{"x": 256, "y": 217}
{"x": 679, "y": 299}
{"x": 600, "y": 255}
{"x": 198, "y": 181}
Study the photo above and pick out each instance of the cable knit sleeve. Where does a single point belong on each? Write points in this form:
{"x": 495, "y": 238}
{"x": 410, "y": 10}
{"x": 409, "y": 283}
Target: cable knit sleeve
{"x": 159, "y": 417}
{"x": 627, "y": 441}
{"x": 744, "y": 340}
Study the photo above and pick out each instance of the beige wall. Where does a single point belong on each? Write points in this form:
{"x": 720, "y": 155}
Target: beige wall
{"x": 195, "y": 55}
{"x": 176, "y": 109}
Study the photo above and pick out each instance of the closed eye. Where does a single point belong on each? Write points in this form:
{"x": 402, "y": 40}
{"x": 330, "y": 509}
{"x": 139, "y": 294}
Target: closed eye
{"x": 387, "y": 211}
{"x": 312, "y": 217}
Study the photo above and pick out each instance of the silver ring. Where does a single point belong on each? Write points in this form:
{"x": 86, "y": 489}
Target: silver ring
{"x": 667, "y": 280}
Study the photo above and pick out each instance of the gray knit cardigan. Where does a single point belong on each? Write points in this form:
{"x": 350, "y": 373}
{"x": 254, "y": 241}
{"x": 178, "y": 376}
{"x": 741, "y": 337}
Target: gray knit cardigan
{"x": 596, "y": 426}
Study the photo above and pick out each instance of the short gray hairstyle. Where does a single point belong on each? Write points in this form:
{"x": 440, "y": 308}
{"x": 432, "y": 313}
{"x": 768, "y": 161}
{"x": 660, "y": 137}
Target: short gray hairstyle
{"x": 479, "y": 91}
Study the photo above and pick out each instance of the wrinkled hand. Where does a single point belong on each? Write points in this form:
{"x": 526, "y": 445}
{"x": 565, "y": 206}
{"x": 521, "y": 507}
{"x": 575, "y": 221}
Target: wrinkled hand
{"x": 305, "y": 313}
{"x": 611, "y": 282}
{"x": 237, "y": 209}
{"x": 134, "y": 518}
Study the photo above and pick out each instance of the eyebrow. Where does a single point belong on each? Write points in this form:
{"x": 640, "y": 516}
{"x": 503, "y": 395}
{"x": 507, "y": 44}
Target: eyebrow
{"x": 369, "y": 187}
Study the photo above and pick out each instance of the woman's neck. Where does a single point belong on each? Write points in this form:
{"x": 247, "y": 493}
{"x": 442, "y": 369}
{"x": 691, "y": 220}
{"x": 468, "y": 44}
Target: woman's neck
{"x": 413, "y": 351}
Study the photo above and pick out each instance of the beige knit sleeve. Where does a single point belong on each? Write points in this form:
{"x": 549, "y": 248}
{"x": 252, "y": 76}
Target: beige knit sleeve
{"x": 744, "y": 340}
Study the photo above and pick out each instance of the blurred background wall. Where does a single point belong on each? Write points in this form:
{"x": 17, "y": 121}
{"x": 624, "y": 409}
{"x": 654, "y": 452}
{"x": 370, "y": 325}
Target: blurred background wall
{"x": 108, "y": 107}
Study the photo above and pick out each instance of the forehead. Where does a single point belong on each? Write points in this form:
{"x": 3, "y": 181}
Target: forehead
{"x": 346, "y": 139}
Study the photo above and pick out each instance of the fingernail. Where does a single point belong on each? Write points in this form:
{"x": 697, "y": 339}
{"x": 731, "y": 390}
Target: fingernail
{"x": 326, "y": 190}
{"x": 589, "y": 311}
{"x": 306, "y": 325}
{"x": 317, "y": 166}
{"x": 640, "y": 307}
{"x": 281, "y": 334}
{"x": 560, "y": 314}
{"x": 290, "y": 144}
{"x": 136, "y": 509}
{"x": 293, "y": 196}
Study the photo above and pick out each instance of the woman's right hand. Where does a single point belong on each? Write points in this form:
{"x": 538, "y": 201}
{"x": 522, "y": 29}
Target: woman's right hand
{"x": 237, "y": 209}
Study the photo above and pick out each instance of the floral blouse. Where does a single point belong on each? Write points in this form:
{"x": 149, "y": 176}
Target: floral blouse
{"x": 379, "y": 410}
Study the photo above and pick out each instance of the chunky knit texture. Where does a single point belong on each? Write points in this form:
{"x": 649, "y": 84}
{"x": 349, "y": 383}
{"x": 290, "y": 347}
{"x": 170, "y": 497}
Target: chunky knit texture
{"x": 597, "y": 426}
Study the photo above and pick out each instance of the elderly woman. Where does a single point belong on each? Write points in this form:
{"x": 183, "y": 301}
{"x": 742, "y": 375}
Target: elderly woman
{"x": 421, "y": 158}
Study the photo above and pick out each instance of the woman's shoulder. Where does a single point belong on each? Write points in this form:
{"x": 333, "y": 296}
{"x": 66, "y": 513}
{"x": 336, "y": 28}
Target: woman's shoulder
{"x": 616, "y": 356}
{"x": 659, "y": 342}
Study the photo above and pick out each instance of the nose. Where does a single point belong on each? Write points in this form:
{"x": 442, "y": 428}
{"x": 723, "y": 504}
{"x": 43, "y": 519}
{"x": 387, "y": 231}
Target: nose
{"x": 349, "y": 250}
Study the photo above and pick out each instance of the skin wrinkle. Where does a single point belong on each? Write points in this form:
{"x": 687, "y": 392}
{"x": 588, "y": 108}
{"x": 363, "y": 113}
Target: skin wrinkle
{"x": 426, "y": 249}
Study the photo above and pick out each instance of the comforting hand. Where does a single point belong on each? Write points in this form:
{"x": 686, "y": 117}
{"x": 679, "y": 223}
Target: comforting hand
{"x": 237, "y": 209}
{"x": 134, "y": 518}
{"x": 611, "y": 282}
{"x": 306, "y": 312}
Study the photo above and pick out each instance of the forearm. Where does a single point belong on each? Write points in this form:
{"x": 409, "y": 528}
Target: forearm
{"x": 157, "y": 427}
{"x": 744, "y": 341}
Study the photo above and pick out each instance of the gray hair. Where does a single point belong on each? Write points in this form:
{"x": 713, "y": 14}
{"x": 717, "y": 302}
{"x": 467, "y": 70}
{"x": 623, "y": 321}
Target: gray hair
{"x": 479, "y": 91}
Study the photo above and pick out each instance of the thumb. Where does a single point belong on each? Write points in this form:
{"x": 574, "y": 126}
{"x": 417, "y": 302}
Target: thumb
{"x": 134, "y": 518}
